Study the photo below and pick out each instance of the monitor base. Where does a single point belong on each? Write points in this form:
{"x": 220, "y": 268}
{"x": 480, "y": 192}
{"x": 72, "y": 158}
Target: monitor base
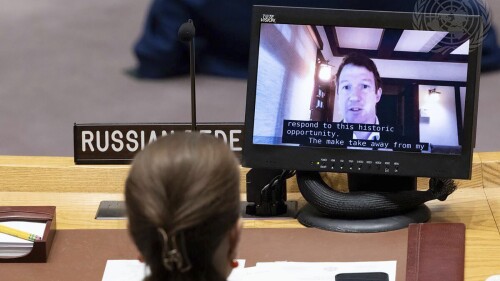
{"x": 309, "y": 216}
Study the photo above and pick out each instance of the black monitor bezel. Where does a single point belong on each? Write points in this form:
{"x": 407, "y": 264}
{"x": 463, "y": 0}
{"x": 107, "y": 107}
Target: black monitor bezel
{"x": 300, "y": 158}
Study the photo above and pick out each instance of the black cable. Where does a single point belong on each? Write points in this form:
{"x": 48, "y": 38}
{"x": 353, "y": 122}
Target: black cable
{"x": 286, "y": 174}
{"x": 366, "y": 205}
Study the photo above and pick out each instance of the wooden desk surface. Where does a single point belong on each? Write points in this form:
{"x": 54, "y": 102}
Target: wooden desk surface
{"x": 78, "y": 190}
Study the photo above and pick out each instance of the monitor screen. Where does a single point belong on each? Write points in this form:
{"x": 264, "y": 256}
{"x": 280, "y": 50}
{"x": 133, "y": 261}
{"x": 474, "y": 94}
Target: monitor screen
{"x": 362, "y": 92}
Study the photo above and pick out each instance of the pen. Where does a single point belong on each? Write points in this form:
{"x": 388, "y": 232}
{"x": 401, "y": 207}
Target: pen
{"x": 18, "y": 233}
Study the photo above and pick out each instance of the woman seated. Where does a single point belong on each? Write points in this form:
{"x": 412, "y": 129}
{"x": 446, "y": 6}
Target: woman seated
{"x": 182, "y": 199}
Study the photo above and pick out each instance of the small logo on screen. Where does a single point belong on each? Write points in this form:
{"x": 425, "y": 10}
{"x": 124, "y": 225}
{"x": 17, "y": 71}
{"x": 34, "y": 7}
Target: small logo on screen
{"x": 445, "y": 15}
{"x": 268, "y": 18}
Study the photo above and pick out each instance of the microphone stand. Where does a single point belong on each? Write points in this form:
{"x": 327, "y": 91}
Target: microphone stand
{"x": 193, "y": 87}
{"x": 186, "y": 33}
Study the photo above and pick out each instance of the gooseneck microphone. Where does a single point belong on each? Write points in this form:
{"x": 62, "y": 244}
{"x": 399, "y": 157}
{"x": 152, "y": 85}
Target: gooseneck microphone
{"x": 186, "y": 34}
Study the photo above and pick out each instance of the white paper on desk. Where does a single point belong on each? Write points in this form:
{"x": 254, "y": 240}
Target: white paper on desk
{"x": 125, "y": 270}
{"x": 132, "y": 270}
{"x": 260, "y": 274}
{"x": 311, "y": 271}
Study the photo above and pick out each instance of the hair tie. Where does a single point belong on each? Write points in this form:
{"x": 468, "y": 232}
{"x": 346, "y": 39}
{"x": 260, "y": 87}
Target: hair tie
{"x": 173, "y": 256}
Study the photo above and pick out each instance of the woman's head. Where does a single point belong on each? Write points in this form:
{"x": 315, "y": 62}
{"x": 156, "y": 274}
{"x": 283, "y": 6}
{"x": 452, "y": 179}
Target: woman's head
{"x": 182, "y": 198}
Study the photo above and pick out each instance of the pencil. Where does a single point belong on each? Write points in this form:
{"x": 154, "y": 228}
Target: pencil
{"x": 19, "y": 233}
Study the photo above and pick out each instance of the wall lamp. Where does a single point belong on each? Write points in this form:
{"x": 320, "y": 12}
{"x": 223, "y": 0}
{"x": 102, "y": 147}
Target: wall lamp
{"x": 325, "y": 72}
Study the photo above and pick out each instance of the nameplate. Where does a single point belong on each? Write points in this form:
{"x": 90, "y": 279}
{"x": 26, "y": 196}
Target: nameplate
{"x": 118, "y": 143}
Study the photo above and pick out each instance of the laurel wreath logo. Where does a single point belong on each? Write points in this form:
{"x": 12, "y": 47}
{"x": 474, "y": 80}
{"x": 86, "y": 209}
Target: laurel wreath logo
{"x": 441, "y": 15}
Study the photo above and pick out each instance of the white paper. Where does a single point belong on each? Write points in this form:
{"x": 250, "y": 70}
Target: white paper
{"x": 11, "y": 246}
{"x": 125, "y": 270}
{"x": 133, "y": 270}
{"x": 36, "y": 228}
{"x": 311, "y": 271}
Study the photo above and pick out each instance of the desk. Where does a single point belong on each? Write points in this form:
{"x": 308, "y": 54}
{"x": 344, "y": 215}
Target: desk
{"x": 81, "y": 254}
{"x": 77, "y": 191}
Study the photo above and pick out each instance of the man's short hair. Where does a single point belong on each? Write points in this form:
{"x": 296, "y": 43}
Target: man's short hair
{"x": 360, "y": 59}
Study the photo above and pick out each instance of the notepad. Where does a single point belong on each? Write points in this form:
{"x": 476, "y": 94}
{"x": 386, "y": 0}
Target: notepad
{"x": 11, "y": 246}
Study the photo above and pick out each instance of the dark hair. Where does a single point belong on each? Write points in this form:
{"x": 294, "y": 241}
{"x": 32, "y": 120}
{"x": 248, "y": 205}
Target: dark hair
{"x": 360, "y": 59}
{"x": 187, "y": 186}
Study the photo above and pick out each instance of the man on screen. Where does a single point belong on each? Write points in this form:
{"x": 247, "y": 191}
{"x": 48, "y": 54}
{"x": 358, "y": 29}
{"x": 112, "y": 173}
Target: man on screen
{"x": 359, "y": 89}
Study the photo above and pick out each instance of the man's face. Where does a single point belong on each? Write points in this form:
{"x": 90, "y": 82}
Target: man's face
{"x": 358, "y": 95}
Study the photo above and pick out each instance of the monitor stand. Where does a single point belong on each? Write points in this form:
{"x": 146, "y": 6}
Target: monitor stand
{"x": 310, "y": 216}
{"x": 374, "y": 203}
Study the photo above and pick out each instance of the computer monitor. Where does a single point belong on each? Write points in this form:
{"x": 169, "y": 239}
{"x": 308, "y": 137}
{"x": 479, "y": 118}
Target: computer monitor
{"x": 362, "y": 92}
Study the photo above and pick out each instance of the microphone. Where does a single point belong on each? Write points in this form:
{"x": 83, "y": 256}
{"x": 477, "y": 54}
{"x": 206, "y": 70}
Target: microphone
{"x": 187, "y": 31}
{"x": 186, "y": 34}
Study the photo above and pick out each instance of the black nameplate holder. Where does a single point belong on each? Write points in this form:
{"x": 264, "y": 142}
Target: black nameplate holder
{"x": 118, "y": 143}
